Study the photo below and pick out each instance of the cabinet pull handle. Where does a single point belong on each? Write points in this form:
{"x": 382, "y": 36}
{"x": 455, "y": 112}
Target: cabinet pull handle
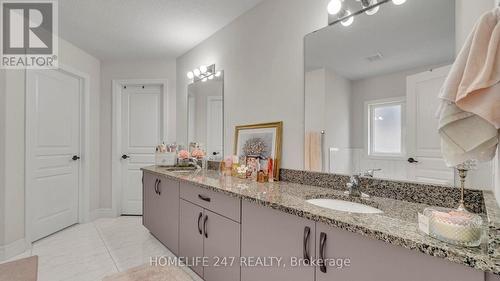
{"x": 307, "y": 234}
{"x": 322, "y": 243}
{"x": 159, "y": 190}
{"x": 156, "y": 186}
{"x": 199, "y": 226}
{"x": 204, "y": 198}
{"x": 205, "y": 226}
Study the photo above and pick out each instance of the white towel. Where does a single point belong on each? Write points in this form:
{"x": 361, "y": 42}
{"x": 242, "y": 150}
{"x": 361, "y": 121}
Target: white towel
{"x": 465, "y": 135}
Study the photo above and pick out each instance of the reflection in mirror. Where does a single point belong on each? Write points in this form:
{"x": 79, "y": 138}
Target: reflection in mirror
{"x": 371, "y": 94}
{"x": 206, "y": 116}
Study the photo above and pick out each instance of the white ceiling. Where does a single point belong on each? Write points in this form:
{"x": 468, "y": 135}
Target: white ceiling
{"x": 144, "y": 29}
{"x": 419, "y": 33}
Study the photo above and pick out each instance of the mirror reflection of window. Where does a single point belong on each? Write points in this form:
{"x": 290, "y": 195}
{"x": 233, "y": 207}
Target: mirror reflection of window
{"x": 385, "y": 135}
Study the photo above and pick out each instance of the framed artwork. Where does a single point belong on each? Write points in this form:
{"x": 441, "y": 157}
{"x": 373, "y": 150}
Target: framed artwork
{"x": 258, "y": 143}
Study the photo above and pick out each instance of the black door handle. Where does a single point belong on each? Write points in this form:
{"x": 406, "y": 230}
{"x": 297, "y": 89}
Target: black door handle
{"x": 307, "y": 233}
{"x": 158, "y": 188}
{"x": 322, "y": 244}
{"x": 205, "y": 226}
{"x": 215, "y": 153}
{"x": 204, "y": 198}
{"x": 125, "y": 157}
{"x": 75, "y": 157}
{"x": 412, "y": 160}
{"x": 199, "y": 226}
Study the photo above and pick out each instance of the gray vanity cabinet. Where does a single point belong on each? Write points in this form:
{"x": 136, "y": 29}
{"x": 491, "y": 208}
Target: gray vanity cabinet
{"x": 216, "y": 238}
{"x": 271, "y": 233}
{"x": 191, "y": 235}
{"x": 222, "y": 248}
{"x": 376, "y": 260}
{"x": 149, "y": 196}
{"x": 161, "y": 209}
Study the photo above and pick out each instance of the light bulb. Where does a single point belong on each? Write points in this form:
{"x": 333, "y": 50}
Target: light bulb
{"x": 190, "y": 75}
{"x": 348, "y": 21}
{"x": 197, "y": 72}
{"x": 398, "y": 2}
{"x": 218, "y": 74}
{"x": 334, "y": 7}
{"x": 374, "y": 10}
{"x": 203, "y": 69}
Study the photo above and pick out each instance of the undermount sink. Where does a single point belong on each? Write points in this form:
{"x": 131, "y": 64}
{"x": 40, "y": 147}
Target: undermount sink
{"x": 344, "y": 206}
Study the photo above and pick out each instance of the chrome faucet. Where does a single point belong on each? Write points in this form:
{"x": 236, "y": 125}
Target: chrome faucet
{"x": 195, "y": 162}
{"x": 354, "y": 187}
{"x": 370, "y": 173}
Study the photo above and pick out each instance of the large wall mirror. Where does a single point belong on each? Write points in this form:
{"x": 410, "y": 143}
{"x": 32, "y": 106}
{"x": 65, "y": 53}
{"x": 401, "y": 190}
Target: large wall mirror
{"x": 371, "y": 94}
{"x": 206, "y": 115}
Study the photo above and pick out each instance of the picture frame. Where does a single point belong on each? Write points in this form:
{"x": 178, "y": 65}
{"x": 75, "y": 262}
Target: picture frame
{"x": 261, "y": 141}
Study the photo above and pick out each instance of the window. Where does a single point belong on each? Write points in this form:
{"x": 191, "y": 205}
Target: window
{"x": 385, "y": 136}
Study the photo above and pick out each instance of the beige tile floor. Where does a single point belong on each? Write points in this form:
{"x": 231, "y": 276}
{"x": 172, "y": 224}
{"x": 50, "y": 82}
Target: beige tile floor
{"x": 88, "y": 252}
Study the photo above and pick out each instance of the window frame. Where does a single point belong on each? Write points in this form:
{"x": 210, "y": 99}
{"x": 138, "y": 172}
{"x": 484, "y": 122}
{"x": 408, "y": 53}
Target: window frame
{"x": 369, "y": 107}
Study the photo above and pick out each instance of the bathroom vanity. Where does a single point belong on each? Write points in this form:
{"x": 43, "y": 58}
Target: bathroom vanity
{"x": 245, "y": 227}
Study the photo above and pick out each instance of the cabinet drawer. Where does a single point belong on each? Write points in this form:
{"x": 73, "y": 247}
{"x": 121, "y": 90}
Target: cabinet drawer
{"x": 214, "y": 201}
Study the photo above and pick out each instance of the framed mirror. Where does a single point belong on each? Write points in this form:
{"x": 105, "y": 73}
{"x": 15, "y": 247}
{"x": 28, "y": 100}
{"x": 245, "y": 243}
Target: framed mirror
{"x": 206, "y": 115}
{"x": 371, "y": 94}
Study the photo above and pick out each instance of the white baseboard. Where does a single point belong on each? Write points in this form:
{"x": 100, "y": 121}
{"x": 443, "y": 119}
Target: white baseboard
{"x": 13, "y": 249}
{"x": 102, "y": 213}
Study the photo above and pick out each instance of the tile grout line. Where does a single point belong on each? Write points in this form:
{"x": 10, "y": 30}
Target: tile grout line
{"x": 105, "y": 246}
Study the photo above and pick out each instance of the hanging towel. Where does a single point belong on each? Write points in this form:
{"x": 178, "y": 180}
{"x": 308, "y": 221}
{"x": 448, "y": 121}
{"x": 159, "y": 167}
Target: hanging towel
{"x": 479, "y": 90}
{"x": 313, "y": 157}
{"x": 465, "y": 135}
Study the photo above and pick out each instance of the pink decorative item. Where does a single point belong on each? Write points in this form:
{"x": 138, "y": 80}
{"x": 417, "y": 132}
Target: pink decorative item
{"x": 183, "y": 154}
{"x": 198, "y": 153}
{"x": 229, "y": 161}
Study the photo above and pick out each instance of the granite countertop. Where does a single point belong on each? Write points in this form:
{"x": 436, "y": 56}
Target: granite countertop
{"x": 396, "y": 225}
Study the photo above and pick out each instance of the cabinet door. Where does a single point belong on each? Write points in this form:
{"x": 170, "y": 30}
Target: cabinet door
{"x": 167, "y": 213}
{"x": 376, "y": 260}
{"x": 221, "y": 247}
{"x": 149, "y": 198}
{"x": 191, "y": 235}
{"x": 271, "y": 233}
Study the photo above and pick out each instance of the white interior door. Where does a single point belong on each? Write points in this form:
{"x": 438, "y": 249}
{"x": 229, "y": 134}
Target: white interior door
{"x": 215, "y": 134}
{"x": 53, "y": 117}
{"x": 142, "y": 131}
{"x": 423, "y": 137}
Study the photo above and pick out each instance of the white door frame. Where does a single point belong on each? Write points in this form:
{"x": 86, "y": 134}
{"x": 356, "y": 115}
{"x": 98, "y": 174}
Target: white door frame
{"x": 116, "y": 171}
{"x": 84, "y": 170}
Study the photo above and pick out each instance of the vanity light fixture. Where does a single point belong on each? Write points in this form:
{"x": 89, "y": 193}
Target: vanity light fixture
{"x": 398, "y": 2}
{"x": 349, "y": 20}
{"x": 367, "y": 3}
{"x": 203, "y": 73}
{"x": 334, "y": 7}
{"x": 197, "y": 72}
{"x": 346, "y": 17}
{"x": 203, "y": 69}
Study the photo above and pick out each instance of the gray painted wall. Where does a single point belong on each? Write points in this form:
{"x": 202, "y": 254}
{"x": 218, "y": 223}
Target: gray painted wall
{"x": 261, "y": 53}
